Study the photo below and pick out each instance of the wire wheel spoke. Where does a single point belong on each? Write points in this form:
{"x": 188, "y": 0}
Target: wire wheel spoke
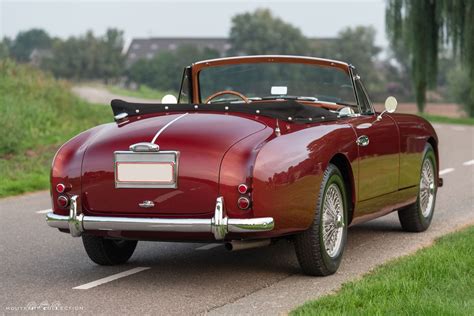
{"x": 427, "y": 192}
{"x": 332, "y": 220}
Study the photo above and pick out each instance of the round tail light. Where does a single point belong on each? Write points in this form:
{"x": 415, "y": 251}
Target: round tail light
{"x": 243, "y": 203}
{"x": 60, "y": 188}
{"x": 243, "y": 188}
{"x": 63, "y": 201}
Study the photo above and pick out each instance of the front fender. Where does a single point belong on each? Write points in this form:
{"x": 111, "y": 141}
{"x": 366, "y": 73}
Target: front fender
{"x": 415, "y": 132}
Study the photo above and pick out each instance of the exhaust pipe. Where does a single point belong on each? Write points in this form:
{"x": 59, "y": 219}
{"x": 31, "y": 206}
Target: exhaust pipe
{"x": 235, "y": 245}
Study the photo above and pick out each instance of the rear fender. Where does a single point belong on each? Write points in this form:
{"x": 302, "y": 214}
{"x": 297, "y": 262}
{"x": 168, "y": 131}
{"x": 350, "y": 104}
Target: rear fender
{"x": 67, "y": 165}
{"x": 237, "y": 167}
{"x": 289, "y": 169}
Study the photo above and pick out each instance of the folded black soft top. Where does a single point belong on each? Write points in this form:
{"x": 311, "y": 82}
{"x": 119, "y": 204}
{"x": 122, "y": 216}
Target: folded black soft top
{"x": 287, "y": 110}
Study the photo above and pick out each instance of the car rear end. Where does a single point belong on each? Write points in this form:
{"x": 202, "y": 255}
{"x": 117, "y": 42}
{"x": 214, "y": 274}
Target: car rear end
{"x": 103, "y": 185}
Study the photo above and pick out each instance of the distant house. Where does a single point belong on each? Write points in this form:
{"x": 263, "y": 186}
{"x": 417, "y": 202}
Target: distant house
{"x": 147, "y": 48}
{"x": 38, "y": 55}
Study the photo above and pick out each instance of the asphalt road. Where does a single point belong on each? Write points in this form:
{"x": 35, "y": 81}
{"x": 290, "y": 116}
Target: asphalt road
{"x": 41, "y": 267}
{"x": 100, "y": 95}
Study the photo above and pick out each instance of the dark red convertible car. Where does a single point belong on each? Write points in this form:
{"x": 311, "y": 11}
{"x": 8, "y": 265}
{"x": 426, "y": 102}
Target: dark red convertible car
{"x": 256, "y": 148}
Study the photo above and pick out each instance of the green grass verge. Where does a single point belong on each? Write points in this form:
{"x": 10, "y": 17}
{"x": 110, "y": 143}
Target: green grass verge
{"x": 143, "y": 92}
{"x": 37, "y": 115}
{"x": 438, "y": 280}
{"x": 448, "y": 120}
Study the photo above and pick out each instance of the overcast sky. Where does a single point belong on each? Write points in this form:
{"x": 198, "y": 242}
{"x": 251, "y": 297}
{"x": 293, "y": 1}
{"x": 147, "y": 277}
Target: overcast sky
{"x": 190, "y": 18}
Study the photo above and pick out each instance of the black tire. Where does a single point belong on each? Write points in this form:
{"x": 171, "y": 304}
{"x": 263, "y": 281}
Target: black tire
{"x": 411, "y": 217}
{"x": 309, "y": 246}
{"x": 108, "y": 252}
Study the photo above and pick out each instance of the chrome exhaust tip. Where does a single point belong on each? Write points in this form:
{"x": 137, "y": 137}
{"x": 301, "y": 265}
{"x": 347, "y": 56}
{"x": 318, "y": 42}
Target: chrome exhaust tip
{"x": 236, "y": 245}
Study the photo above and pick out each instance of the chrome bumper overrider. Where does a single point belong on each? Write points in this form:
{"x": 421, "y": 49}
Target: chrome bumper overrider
{"x": 219, "y": 225}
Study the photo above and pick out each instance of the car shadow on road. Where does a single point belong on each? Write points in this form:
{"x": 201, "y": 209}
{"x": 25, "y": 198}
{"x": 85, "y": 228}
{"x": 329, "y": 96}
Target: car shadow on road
{"x": 279, "y": 259}
{"x": 385, "y": 224}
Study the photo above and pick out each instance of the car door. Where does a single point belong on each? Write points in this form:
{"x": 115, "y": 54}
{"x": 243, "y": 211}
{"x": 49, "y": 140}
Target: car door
{"x": 378, "y": 147}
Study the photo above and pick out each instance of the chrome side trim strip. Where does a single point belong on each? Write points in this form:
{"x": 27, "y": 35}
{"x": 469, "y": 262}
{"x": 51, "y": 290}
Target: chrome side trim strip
{"x": 166, "y": 126}
{"x": 219, "y": 225}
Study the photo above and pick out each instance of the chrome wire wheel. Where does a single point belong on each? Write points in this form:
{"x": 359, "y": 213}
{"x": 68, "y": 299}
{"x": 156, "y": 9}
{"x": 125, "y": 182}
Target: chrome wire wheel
{"x": 427, "y": 188}
{"x": 417, "y": 217}
{"x": 319, "y": 249}
{"x": 333, "y": 220}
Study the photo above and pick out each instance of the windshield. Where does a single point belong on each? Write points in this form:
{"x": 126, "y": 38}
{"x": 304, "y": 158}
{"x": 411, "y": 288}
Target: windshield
{"x": 278, "y": 80}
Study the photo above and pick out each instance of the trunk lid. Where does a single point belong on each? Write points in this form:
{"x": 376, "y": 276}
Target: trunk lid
{"x": 201, "y": 139}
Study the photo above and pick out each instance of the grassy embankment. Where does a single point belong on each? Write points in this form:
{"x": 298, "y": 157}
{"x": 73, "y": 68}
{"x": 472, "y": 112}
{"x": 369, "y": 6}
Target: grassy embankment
{"x": 448, "y": 120}
{"x": 438, "y": 280}
{"x": 37, "y": 115}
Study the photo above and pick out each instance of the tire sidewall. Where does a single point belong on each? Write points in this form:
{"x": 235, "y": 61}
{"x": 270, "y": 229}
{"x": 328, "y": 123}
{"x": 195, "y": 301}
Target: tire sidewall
{"x": 334, "y": 177}
{"x": 108, "y": 252}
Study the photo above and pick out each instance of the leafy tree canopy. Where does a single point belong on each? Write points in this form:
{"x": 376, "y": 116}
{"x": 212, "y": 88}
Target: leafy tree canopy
{"x": 163, "y": 72}
{"x": 25, "y": 42}
{"x": 260, "y": 32}
{"x": 357, "y": 46}
{"x": 88, "y": 56}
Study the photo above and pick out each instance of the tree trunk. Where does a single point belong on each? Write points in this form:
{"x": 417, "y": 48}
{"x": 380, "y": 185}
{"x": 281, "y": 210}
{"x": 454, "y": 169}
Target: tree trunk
{"x": 420, "y": 95}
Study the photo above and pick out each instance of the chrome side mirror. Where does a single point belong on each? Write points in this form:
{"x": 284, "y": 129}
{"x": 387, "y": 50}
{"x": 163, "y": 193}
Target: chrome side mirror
{"x": 391, "y": 104}
{"x": 390, "y": 107}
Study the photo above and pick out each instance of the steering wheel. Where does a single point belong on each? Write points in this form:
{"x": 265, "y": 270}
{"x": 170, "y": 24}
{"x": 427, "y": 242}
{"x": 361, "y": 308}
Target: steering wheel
{"x": 215, "y": 95}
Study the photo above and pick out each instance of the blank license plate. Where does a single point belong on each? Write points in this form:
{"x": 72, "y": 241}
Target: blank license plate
{"x": 146, "y": 170}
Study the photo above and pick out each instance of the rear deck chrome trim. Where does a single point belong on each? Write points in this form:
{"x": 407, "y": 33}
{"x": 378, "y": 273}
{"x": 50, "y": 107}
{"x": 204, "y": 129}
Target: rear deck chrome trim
{"x": 219, "y": 225}
{"x": 166, "y": 126}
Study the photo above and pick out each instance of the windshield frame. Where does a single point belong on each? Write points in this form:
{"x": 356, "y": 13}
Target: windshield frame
{"x": 310, "y": 61}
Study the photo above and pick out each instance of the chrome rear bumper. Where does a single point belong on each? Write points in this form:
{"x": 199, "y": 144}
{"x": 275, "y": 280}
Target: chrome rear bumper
{"x": 219, "y": 225}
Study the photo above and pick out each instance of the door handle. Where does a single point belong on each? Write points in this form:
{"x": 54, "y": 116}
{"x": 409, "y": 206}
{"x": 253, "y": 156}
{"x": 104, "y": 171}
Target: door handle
{"x": 362, "y": 140}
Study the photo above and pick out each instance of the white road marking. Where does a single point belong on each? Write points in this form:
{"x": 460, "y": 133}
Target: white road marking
{"x": 208, "y": 246}
{"x": 437, "y": 126}
{"x": 110, "y": 278}
{"x": 44, "y": 211}
{"x": 458, "y": 128}
{"x": 468, "y": 163}
{"x": 445, "y": 171}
